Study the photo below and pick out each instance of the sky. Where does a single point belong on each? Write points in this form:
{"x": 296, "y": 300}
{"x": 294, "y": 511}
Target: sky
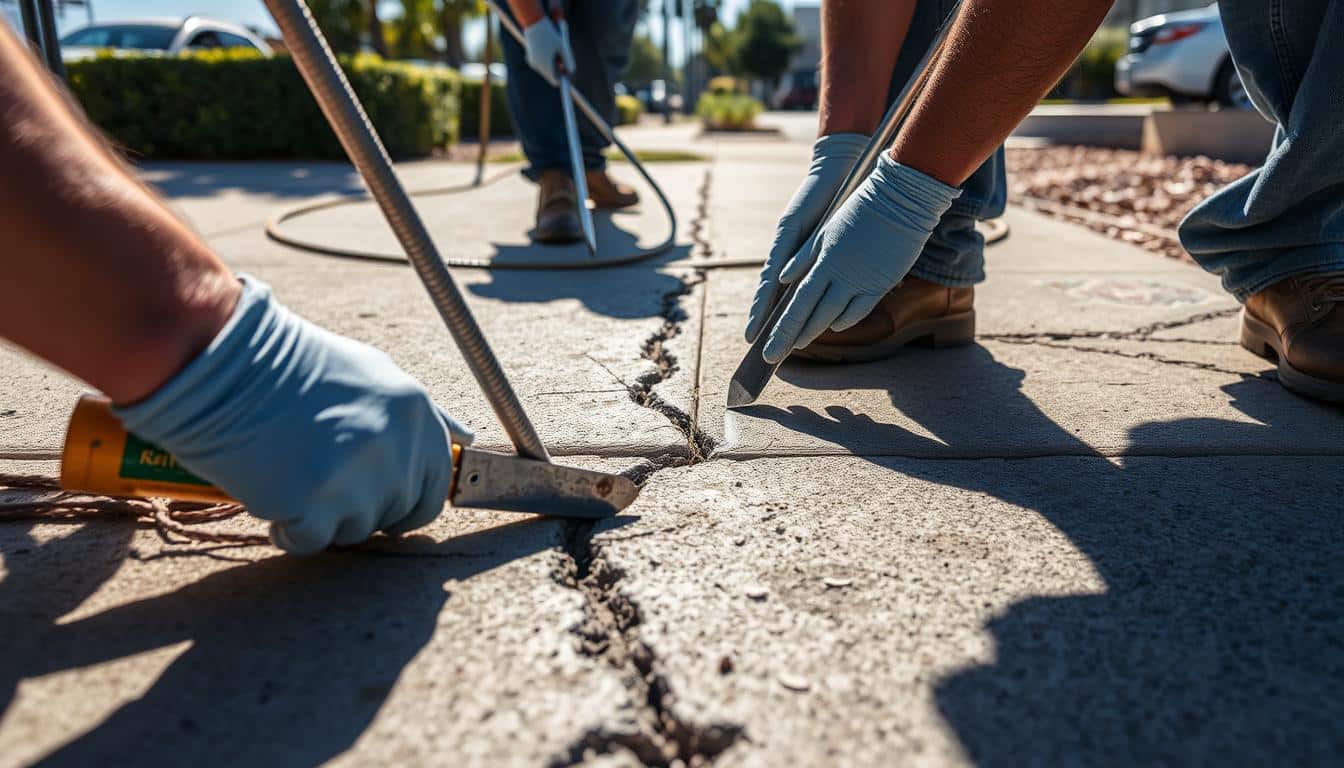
{"x": 253, "y": 13}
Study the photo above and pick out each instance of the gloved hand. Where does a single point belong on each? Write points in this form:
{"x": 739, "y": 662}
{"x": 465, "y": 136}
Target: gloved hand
{"x": 321, "y": 435}
{"x": 832, "y": 158}
{"x": 864, "y": 251}
{"x": 545, "y": 45}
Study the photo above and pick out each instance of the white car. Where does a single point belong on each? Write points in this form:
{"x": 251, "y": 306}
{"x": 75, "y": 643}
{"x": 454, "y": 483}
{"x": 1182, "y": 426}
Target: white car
{"x": 168, "y": 37}
{"x": 1183, "y": 55}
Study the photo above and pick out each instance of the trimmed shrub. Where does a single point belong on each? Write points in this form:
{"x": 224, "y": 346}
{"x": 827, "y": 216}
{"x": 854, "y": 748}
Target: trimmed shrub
{"x": 728, "y": 111}
{"x": 628, "y": 110}
{"x": 237, "y": 104}
{"x": 501, "y": 121}
{"x": 1092, "y": 76}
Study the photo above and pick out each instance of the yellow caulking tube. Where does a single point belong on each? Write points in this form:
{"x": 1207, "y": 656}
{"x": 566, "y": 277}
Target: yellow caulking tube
{"x": 101, "y": 457}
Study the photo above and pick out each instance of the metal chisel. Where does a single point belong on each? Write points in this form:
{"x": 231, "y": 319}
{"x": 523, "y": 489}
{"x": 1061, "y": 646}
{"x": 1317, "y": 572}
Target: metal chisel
{"x": 101, "y": 457}
{"x": 572, "y": 136}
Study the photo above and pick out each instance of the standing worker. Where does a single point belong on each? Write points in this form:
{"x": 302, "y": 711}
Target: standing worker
{"x": 1276, "y": 236}
{"x": 601, "y": 34}
{"x": 321, "y": 435}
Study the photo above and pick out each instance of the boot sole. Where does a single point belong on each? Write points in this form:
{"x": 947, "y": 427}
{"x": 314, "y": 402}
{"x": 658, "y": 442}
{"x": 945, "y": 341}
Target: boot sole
{"x": 950, "y": 331}
{"x": 1260, "y": 339}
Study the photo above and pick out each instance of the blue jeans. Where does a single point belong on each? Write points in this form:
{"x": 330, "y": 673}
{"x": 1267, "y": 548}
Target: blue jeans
{"x": 1286, "y": 218}
{"x": 955, "y": 254}
{"x": 600, "y": 35}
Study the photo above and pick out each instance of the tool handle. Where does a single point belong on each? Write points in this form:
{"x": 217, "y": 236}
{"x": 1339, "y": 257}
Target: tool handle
{"x": 101, "y": 457}
{"x": 558, "y": 17}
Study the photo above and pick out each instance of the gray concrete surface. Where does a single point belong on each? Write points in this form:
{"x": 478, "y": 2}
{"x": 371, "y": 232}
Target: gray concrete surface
{"x": 1102, "y": 535}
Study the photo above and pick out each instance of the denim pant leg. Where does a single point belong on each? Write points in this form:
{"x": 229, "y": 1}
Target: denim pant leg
{"x": 1286, "y": 218}
{"x": 600, "y": 40}
{"x": 955, "y": 254}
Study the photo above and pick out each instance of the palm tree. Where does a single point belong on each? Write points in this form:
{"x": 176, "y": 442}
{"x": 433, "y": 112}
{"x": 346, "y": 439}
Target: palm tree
{"x": 377, "y": 38}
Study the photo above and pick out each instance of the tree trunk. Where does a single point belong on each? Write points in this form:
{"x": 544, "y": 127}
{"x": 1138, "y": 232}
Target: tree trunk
{"x": 376, "y": 37}
{"x": 454, "y": 54}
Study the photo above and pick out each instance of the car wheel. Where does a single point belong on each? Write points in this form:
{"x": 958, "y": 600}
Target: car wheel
{"x": 1229, "y": 90}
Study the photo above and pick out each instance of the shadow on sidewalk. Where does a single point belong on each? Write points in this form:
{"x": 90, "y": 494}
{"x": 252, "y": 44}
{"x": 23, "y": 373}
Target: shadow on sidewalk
{"x": 276, "y": 178}
{"x": 289, "y": 659}
{"x": 626, "y": 292}
{"x": 1220, "y": 636}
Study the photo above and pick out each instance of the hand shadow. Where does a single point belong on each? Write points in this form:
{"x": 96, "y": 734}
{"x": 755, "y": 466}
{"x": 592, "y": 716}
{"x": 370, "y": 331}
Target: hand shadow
{"x": 290, "y": 658}
{"x": 1217, "y": 638}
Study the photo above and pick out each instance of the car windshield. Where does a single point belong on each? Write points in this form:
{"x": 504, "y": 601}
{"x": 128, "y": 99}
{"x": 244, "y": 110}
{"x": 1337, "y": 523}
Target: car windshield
{"x": 130, "y": 36}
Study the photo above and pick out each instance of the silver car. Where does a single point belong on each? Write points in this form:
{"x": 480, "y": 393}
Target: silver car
{"x": 1183, "y": 55}
{"x": 168, "y": 37}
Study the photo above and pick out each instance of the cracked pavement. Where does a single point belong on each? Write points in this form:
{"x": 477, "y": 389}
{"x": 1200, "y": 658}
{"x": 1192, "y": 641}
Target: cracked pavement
{"x": 1104, "y": 534}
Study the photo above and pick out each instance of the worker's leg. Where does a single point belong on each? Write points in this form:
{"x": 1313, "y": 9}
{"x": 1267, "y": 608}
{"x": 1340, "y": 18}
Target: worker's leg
{"x": 601, "y": 34}
{"x": 1286, "y": 218}
{"x": 535, "y": 107}
{"x": 955, "y": 254}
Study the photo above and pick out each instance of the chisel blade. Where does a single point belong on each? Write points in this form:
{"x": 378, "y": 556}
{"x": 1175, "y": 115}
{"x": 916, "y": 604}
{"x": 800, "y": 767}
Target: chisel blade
{"x": 753, "y": 373}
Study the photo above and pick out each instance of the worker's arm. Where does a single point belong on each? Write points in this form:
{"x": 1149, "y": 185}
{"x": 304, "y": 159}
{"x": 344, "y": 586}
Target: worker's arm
{"x": 545, "y": 46}
{"x": 321, "y": 435}
{"x": 860, "y": 43}
{"x": 1002, "y": 57}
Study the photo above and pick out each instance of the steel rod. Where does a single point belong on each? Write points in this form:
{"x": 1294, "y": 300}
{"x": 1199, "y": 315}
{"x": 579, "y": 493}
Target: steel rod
{"x": 337, "y": 99}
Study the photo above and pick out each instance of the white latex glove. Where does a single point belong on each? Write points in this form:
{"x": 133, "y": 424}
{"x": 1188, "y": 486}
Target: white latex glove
{"x": 546, "y": 46}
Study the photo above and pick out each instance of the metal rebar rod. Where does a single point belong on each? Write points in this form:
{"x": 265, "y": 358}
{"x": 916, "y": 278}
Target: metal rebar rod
{"x": 337, "y": 99}
{"x": 51, "y": 44}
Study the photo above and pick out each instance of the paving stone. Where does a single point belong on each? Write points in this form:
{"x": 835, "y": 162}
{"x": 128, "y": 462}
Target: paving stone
{"x": 1056, "y": 611}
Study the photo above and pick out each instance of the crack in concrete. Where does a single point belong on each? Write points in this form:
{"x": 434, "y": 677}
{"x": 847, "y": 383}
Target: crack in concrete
{"x": 611, "y": 630}
{"x": 1144, "y": 333}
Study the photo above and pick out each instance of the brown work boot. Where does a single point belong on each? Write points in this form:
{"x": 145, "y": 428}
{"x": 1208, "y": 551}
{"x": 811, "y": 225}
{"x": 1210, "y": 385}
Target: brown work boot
{"x": 607, "y": 194}
{"x": 1299, "y": 322}
{"x": 916, "y": 311}
{"x": 557, "y": 210}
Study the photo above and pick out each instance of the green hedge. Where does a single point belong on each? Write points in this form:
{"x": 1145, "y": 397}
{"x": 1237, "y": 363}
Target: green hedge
{"x": 1092, "y": 76}
{"x": 724, "y": 111}
{"x": 238, "y": 105}
{"x": 628, "y": 110}
{"x": 501, "y": 122}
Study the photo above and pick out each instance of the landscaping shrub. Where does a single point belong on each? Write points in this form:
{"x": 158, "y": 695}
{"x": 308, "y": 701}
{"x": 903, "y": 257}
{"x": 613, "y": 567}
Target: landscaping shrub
{"x": 1092, "y": 76}
{"x": 628, "y": 110}
{"x": 728, "y": 111}
{"x": 237, "y": 104}
{"x": 501, "y": 122}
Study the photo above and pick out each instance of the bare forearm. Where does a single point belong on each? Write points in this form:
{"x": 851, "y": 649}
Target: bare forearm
{"x": 100, "y": 279}
{"x": 528, "y": 12}
{"x": 1002, "y": 57}
{"x": 860, "y": 42}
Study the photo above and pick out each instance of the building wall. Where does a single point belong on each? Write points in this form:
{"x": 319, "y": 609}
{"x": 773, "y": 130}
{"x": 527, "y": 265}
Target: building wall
{"x": 807, "y": 20}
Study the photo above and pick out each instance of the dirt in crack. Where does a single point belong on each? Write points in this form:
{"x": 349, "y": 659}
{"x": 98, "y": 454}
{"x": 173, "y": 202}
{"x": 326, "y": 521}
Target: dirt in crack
{"x": 657, "y": 736}
{"x": 699, "y": 445}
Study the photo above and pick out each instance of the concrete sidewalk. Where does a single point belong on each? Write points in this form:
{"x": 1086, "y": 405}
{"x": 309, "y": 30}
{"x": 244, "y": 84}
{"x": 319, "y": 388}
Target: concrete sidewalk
{"x": 1104, "y": 534}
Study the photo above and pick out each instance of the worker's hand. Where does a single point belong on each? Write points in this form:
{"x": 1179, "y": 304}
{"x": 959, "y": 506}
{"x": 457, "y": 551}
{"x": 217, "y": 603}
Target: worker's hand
{"x": 546, "y": 46}
{"x": 863, "y": 252}
{"x": 321, "y": 435}
{"x": 832, "y": 158}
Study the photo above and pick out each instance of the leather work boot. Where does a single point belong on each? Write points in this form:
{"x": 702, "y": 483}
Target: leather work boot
{"x": 557, "y": 210}
{"x": 916, "y": 311}
{"x": 1299, "y": 322}
{"x": 607, "y": 194}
